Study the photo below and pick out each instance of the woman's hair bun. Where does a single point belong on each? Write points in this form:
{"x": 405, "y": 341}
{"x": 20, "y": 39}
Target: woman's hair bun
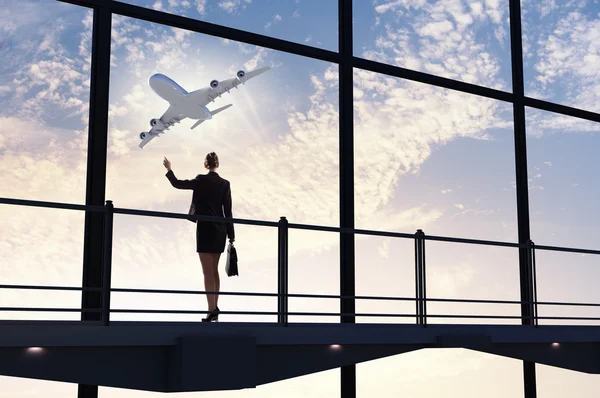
{"x": 212, "y": 160}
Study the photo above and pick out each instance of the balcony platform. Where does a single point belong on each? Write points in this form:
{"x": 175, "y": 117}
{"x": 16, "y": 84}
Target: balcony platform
{"x": 190, "y": 356}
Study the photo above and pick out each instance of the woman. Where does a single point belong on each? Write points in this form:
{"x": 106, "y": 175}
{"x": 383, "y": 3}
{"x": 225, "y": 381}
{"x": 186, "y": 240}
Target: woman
{"x": 211, "y": 197}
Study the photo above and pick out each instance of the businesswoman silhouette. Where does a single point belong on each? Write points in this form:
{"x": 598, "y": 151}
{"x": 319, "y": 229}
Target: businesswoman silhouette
{"x": 211, "y": 197}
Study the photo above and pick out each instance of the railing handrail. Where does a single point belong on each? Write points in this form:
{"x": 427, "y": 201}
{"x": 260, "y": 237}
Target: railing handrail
{"x": 295, "y": 295}
{"x": 163, "y": 214}
{"x": 287, "y": 313}
{"x": 528, "y": 306}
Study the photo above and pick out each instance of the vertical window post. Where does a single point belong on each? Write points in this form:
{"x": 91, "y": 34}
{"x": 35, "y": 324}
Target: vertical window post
{"x": 96, "y": 172}
{"x": 282, "y": 272}
{"x": 420, "y": 278}
{"x": 516, "y": 46}
{"x": 106, "y": 282}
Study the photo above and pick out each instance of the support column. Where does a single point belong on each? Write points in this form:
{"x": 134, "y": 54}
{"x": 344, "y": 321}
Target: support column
{"x": 96, "y": 172}
{"x": 346, "y": 148}
{"x": 529, "y": 380}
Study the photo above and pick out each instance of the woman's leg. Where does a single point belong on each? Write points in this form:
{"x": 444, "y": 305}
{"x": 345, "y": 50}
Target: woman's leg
{"x": 209, "y": 278}
{"x": 216, "y": 257}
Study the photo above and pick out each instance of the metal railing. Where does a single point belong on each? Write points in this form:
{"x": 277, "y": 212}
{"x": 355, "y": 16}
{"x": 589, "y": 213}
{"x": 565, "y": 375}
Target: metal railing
{"x": 283, "y": 295}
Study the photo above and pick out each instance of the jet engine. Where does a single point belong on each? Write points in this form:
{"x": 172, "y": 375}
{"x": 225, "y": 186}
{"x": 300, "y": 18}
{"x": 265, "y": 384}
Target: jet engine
{"x": 154, "y": 122}
{"x": 214, "y": 84}
{"x": 142, "y": 135}
{"x": 241, "y": 74}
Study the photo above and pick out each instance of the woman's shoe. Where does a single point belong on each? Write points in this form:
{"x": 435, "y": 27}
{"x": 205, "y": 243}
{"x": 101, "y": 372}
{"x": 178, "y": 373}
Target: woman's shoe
{"x": 212, "y": 316}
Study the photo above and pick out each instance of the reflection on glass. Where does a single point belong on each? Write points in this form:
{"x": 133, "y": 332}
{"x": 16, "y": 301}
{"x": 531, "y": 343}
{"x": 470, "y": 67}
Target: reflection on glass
{"x": 560, "y": 53}
{"x": 313, "y": 23}
{"x": 461, "y": 40}
{"x": 44, "y": 94}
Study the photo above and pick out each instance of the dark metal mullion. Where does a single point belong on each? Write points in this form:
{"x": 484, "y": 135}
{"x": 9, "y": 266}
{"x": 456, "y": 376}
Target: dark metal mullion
{"x": 562, "y": 109}
{"x": 195, "y": 25}
{"x": 426, "y": 78}
{"x": 529, "y": 380}
{"x": 93, "y": 250}
{"x": 421, "y": 77}
{"x": 346, "y": 170}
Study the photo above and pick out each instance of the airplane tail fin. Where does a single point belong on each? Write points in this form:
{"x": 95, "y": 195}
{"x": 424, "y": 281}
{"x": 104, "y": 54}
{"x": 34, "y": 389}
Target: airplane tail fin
{"x": 212, "y": 113}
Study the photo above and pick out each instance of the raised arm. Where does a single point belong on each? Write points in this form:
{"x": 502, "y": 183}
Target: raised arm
{"x": 227, "y": 212}
{"x": 180, "y": 184}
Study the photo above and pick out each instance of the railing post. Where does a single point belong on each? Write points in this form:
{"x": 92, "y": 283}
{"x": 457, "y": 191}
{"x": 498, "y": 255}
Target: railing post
{"x": 282, "y": 272}
{"x": 533, "y": 308}
{"x": 108, "y": 234}
{"x": 420, "y": 290}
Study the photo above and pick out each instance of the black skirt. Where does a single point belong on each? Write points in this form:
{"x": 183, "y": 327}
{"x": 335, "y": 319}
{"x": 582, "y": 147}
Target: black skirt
{"x": 210, "y": 237}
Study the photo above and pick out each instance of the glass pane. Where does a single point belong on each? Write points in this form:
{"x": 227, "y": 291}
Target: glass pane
{"x": 307, "y": 22}
{"x": 277, "y": 146}
{"x": 432, "y": 158}
{"x": 562, "y": 163}
{"x": 567, "y": 278}
{"x": 44, "y": 96}
{"x": 463, "y": 40}
{"x": 472, "y": 272}
{"x": 560, "y": 52}
{"x": 441, "y": 161}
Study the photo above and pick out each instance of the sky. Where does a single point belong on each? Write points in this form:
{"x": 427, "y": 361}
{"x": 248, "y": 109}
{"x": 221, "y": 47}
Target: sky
{"x": 425, "y": 157}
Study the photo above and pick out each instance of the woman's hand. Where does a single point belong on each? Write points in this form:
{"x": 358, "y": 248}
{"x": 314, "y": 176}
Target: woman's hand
{"x": 167, "y": 163}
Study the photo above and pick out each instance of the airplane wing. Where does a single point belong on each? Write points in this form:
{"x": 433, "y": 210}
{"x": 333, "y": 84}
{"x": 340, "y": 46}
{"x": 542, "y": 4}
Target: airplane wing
{"x": 159, "y": 126}
{"x": 206, "y": 95}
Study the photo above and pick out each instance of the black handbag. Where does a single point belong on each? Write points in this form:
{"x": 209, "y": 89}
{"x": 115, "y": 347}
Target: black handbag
{"x": 231, "y": 267}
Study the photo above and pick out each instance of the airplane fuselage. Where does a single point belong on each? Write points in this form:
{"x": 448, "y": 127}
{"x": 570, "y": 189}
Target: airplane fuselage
{"x": 178, "y": 97}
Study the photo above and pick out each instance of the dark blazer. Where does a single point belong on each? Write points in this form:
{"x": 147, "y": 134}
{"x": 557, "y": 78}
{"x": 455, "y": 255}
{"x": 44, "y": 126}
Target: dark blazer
{"x": 211, "y": 197}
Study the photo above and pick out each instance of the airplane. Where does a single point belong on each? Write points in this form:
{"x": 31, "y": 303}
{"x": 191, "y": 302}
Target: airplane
{"x": 190, "y": 105}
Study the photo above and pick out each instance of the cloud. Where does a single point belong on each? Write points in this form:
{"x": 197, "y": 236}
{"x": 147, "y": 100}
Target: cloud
{"x": 442, "y": 38}
{"x": 561, "y": 62}
{"x": 258, "y": 57}
{"x": 231, "y": 6}
{"x": 46, "y": 77}
{"x": 276, "y": 19}
{"x": 452, "y": 280}
{"x": 201, "y": 6}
